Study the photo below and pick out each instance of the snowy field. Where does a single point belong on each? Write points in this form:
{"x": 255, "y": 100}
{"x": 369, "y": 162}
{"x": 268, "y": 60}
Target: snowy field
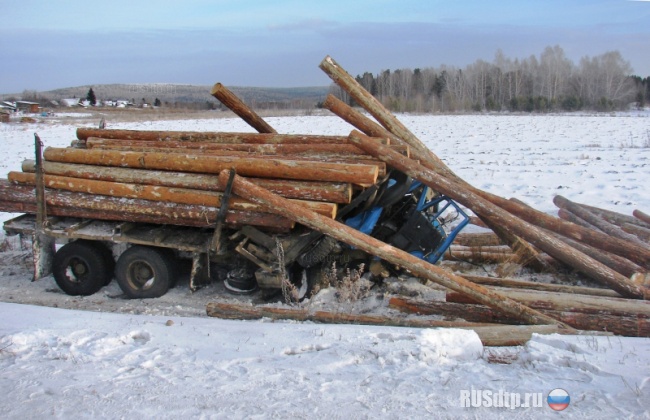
{"x": 105, "y": 357}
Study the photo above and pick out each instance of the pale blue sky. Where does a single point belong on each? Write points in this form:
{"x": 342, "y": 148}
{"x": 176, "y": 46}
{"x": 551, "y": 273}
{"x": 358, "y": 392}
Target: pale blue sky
{"x": 45, "y": 44}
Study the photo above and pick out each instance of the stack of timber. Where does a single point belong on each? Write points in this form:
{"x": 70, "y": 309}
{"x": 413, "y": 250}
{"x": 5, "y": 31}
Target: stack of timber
{"x": 179, "y": 177}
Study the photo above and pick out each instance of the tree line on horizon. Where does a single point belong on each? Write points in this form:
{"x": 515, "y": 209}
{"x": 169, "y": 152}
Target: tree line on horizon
{"x": 548, "y": 83}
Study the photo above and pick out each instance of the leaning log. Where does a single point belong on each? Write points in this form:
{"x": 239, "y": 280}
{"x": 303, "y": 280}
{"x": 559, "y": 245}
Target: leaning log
{"x": 353, "y": 237}
{"x": 156, "y": 193}
{"x": 489, "y": 334}
{"x": 358, "y": 120}
{"x": 641, "y": 216}
{"x": 255, "y": 167}
{"x": 237, "y": 106}
{"x": 597, "y": 221}
{"x": 300, "y": 190}
{"x": 21, "y": 198}
{"x": 615, "y": 218}
{"x": 385, "y": 118}
{"x": 502, "y": 218}
{"x": 570, "y": 217}
{"x": 630, "y": 325}
{"x": 84, "y": 133}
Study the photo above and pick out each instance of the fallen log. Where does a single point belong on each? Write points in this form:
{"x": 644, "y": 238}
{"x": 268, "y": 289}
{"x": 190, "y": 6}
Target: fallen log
{"x": 544, "y": 287}
{"x": 301, "y": 190}
{"x": 22, "y": 198}
{"x": 477, "y": 239}
{"x": 489, "y": 334}
{"x": 566, "y": 302}
{"x": 84, "y": 133}
{"x": 640, "y": 232}
{"x": 156, "y": 193}
{"x": 353, "y": 237}
{"x": 645, "y": 218}
{"x": 615, "y": 262}
{"x": 237, "y": 106}
{"x": 597, "y": 221}
{"x": 479, "y": 254}
{"x": 265, "y": 149}
{"x": 630, "y": 325}
{"x": 505, "y": 220}
{"x": 615, "y": 218}
{"x": 570, "y": 217}
{"x": 255, "y": 167}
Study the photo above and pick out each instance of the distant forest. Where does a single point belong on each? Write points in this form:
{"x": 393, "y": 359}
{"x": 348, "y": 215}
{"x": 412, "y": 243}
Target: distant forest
{"x": 550, "y": 82}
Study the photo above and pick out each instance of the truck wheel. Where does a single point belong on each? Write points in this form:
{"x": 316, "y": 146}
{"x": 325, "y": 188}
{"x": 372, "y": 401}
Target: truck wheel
{"x": 108, "y": 258}
{"x": 319, "y": 252}
{"x": 81, "y": 268}
{"x": 144, "y": 272}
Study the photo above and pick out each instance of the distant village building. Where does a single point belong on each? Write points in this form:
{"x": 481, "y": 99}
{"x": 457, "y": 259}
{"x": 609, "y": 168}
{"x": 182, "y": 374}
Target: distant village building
{"x": 70, "y": 102}
{"x": 9, "y": 106}
{"x": 27, "y": 106}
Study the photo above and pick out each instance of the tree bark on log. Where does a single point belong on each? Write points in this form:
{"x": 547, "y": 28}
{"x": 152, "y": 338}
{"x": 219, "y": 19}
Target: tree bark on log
{"x": 502, "y": 218}
{"x": 477, "y": 239}
{"x": 544, "y": 287}
{"x": 489, "y": 334}
{"x": 156, "y": 193}
{"x": 597, "y": 221}
{"x": 300, "y": 190}
{"x": 265, "y": 149}
{"x": 613, "y": 217}
{"x": 21, "y": 198}
{"x": 237, "y": 106}
{"x": 570, "y": 217}
{"x": 630, "y": 325}
{"x": 358, "y": 120}
{"x": 84, "y": 134}
{"x": 645, "y": 218}
{"x": 640, "y": 232}
{"x": 369, "y": 244}
{"x": 255, "y": 167}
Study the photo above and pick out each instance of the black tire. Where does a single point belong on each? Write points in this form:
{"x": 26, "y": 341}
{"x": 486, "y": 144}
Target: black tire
{"x": 391, "y": 195}
{"x": 108, "y": 258}
{"x": 144, "y": 272}
{"x": 319, "y": 252}
{"x": 81, "y": 268}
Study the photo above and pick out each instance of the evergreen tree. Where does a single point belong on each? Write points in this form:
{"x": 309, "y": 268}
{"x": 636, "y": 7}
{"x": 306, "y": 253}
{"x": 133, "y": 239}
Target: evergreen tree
{"x": 91, "y": 97}
{"x": 157, "y": 102}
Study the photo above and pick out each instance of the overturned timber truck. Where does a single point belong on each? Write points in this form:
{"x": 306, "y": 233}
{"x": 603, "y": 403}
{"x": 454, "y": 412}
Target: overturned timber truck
{"x": 133, "y": 204}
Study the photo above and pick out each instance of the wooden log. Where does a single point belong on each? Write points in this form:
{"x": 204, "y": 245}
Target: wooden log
{"x": 237, "y": 106}
{"x": 640, "y": 232}
{"x": 505, "y": 220}
{"x": 613, "y": 217}
{"x": 545, "y": 287}
{"x": 645, "y": 218}
{"x": 597, "y": 221}
{"x": 570, "y": 217}
{"x": 615, "y": 262}
{"x": 358, "y": 120}
{"x": 369, "y": 244}
{"x": 566, "y": 302}
{"x": 630, "y": 325}
{"x": 300, "y": 190}
{"x": 84, "y": 133}
{"x": 567, "y": 229}
{"x": 21, "y": 198}
{"x": 156, "y": 193}
{"x": 489, "y": 334}
{"x": 255, "y": 167}
{"x": 385, "y": 118}
{"x": 477, "y": 239}
{"x": 265, "y": 149}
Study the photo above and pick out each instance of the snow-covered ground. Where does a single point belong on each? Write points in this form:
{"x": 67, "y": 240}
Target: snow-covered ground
{"x": 163, "y": 358}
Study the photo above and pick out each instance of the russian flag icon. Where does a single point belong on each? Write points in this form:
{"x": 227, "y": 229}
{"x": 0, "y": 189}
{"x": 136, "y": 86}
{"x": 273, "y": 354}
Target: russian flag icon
{"x": 558, "y": 399}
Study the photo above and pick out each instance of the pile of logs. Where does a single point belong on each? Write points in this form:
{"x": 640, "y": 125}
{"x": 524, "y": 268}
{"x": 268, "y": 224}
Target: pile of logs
{"x": 179, "y": 177}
